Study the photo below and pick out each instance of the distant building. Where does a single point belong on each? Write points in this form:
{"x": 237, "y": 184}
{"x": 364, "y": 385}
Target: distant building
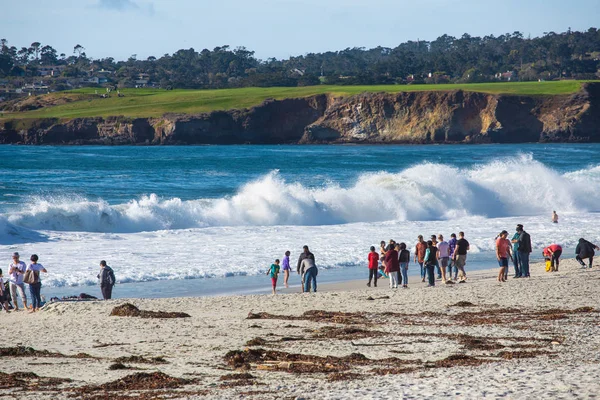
{"x": 51, "y": 70}
{"x": 506, "y": 76}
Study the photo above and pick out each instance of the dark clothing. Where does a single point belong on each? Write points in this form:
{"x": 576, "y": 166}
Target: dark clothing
{"x": 431, "y": 274}
{"x": 524, "y": 242}
{"x": 106, "y": 291}
{"x": 310, "y": 280}
{"x": 107, "y": 281}
{"x": 373, "y": 273}
{"x": 462, "y": 246}
{"x": 580, "y": 260}
{"x": 432, "y": 258}
{"x": 36, "y": 298}
{"x": 304, "y": 255}
{"x": 107, "y": 276}
{"x": 404, "y": 256}
{"x": 555, "y": 260}
{"x": 585, "y": 249}
{"x": 391, "y": 261}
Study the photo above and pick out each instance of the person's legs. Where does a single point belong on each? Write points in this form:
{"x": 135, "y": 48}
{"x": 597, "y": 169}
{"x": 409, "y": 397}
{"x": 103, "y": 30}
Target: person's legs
{"x": 422, "y": 271}
{"x": 274, "y": 284}
{"x": 580, "y": 261}
{"x": 372, "y": 273}
{"x": 431, "y": 274}
{"x": 33, "y": 298}
{"x": 444, "y": 265}
{"x": 449, "y": 273}
{"x": 314, "y": 279}
{"x": 591, "y": 261}
{"x": 438, "y": 269}
{"x": 21, "y": 290}
{"x": 393, "y": 280}
{"x": 404, "y": 272}
{"x": 516, "y": 264}
{"x": 524, "y": 264}
{"x": 13, "y": 295}
{"x": 286, "y": 276}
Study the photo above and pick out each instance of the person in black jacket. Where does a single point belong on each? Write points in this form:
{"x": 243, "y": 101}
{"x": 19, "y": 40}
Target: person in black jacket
{"x": 524, "y": 250}
{"x": 107, "y": 280}
{"x": 585, "y": 250}
{"x": 305, "y": 254}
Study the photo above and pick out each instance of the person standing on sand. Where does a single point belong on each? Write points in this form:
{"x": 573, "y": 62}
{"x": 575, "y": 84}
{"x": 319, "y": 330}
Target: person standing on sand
{"x": 392, "y": 266}
{"x": 554, "y": 217}
{"x": 437, "y": 266}
{"x": 585, "y": 250}
{"x": 452, "y": 249}
{"x": 443, "y": 256}
{"x": 515, "y": 251}
{"x": 524, "y": 250}
{"x": 16, "y": 270}
{"x": 274, "y": 273}
{"x": 430, "y": 260}
{"x": 502, "y": 253}
{"x": 36, "y": 286}
{"x": 553, "y": 253}
{"x": 404, "y": 260}
{"x": 373, "y": 258}
{"x": 309, "y": 271}
{"x": 460, "y": 256}
{"x": 286, "y": 268}
{"x": 420, "y": 249}
{"x": 107, "y": 280}
{"x": 3, "y": 294}
{"x": 304, "y": 255}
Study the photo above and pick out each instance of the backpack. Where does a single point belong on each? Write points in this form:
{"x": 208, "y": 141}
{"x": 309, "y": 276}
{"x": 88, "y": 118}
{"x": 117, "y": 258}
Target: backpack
{"x": 31, "y": 276}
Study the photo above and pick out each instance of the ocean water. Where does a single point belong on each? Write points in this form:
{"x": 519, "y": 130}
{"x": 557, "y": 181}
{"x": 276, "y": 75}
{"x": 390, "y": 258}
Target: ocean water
{"x": 203, "y": 220}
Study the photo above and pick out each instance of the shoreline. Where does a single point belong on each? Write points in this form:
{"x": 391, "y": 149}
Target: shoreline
{"x": 524, "y": 338}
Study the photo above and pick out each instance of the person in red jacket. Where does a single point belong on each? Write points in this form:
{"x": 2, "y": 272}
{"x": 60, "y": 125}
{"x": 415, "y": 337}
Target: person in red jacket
{"x": 553, "y": 253}
{"x": 373, "y": 264}
{"x": 392, "y": 266}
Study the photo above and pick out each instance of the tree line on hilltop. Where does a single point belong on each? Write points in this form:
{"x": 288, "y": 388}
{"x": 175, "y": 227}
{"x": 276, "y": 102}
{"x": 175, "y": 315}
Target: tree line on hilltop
{"x": 569, "y": 54}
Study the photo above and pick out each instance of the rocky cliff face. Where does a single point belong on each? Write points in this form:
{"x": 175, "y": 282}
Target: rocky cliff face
{"x": 414, "y": 117}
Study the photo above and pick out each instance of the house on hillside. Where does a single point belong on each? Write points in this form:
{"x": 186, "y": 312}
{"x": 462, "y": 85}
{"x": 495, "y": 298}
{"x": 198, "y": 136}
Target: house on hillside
{"x": 51, "y": 70}
{"x": 297, "y": 72}
{"x": 506, "y": 76}
{"x": 142, "y": 80}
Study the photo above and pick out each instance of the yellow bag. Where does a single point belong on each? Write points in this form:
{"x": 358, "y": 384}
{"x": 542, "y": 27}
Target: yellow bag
{"x": 548, "y": 265}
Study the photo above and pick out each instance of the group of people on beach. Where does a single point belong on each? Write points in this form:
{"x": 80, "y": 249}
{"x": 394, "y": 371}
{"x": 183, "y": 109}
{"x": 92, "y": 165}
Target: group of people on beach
{"x": 446, "y": 258}
{"x": 19, "y": 274}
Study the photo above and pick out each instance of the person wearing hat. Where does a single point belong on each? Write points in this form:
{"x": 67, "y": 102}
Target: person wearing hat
{"x": 524, "y": 250}
{"x": 16, "y": 270}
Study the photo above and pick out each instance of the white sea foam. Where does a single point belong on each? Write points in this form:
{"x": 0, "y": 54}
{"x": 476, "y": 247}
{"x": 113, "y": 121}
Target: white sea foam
{"x": 516, "y": 186}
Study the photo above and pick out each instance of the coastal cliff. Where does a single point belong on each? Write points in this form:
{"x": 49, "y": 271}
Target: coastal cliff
{"x": 407, "y": 117}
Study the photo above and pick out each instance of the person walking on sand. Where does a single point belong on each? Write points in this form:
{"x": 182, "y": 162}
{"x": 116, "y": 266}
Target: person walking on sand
{"x": 443, "y": 256}
{"x": 392, "y": 266}
{"x": 420, "y": 249}
{"x": 585, "y": 250}
{"x": 437, "y": 266}
{"x": 16, "y": 270}
{"x": 274, "y": 273}
{"x": 524, "y": 250}
{"x": 304, "y": 255}
{"x": 3, "y": 294}
{"x": 35, "y": 284}
{"x": 308, "y": 269}
{"x": 451, "y": 250}
{"x": 430, "y": 260}
{"x": 286, "y": 268}
{"x": 515, "y": 252}
{"x": 502, "y": 253}
{"x": 554, "y": 217}
{"x": 460, "y": 256}
{"x": 373, "y": 258}
{"x": 404, "y": 260}
{"x": 553, "y": 253}
{"x": 107, "y": 280}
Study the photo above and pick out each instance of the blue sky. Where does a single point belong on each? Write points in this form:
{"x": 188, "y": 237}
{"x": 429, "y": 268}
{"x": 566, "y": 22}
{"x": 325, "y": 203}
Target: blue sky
{"x": 274, "y": 28}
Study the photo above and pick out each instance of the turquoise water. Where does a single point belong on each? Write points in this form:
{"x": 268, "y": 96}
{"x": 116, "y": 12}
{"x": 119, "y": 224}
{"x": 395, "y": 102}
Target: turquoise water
{"x": 208, "y": 219}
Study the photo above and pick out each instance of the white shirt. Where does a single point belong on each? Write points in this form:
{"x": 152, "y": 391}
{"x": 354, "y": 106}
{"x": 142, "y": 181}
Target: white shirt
{"x": 444, "y": 249}
{"x": 17, "y": 277}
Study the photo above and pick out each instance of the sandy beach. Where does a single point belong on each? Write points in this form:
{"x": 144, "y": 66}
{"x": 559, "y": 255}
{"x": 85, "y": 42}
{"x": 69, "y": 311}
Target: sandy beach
{"x": 526, "y": 338}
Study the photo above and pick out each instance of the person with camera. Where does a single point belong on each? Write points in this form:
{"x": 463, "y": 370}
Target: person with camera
{"x": 16, "y": 270}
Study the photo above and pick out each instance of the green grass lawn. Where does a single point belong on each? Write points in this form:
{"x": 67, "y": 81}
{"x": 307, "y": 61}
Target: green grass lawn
{"x": 155, "y": 102}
